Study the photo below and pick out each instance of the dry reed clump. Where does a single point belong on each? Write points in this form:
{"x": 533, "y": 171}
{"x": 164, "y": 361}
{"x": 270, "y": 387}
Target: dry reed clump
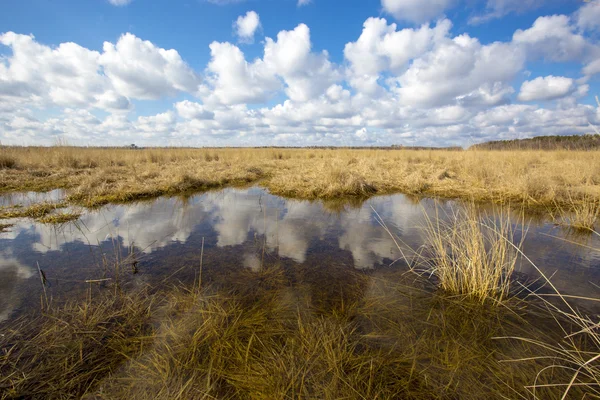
{"x": 7, "y": 161}
{"x": 36, "y": 211}
{"x": 65, "y": 351}
{"x": 59, "y": 218}
{"x": 581, "y": 214}
{"x": 472, "y": 255}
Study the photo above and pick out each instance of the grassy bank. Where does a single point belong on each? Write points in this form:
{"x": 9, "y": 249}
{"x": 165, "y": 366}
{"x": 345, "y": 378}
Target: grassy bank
{"x": 99, "y": 176}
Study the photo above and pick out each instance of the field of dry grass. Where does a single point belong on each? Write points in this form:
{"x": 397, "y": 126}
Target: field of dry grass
{"x": 97, "y": 176}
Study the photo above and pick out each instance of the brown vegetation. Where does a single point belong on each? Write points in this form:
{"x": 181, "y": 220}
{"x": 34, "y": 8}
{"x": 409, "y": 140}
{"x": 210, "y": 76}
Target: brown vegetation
{"x": 98, "y": 176}
{"x": 271, "y": 339}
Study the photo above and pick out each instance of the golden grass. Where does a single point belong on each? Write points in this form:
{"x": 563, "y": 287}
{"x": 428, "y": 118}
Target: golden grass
{"x": 581, "y": 215}
{"x": 472, "y": 254}
{"x": 35, "y": 211}
{"x": 59, "y": 218}
{"x": 96, "y": 176}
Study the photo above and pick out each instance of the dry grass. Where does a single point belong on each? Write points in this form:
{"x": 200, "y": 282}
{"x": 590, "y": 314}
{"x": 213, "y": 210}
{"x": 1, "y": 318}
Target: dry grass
{"x": 472, "y": 254}
{"x": 35, "y": 211}
{"x": 59, "y": 218}
{"x": 96, "y": 176}
{"x": 581, "y": 215}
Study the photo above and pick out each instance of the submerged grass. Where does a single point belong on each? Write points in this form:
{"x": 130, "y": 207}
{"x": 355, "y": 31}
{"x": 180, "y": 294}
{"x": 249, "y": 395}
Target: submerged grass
{"x": 260, "y": 336}
{"x": 64, "y": 351}
{"x": 576, "y": 353}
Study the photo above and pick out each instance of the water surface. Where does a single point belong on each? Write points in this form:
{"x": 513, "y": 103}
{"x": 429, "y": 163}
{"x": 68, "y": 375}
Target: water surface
{"x": 243, "y": 229}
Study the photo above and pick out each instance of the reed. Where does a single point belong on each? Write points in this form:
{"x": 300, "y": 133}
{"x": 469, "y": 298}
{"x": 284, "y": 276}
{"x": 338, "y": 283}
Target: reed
{"x": 472, "y": 254}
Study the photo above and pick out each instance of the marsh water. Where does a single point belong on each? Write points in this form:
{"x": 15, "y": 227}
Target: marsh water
{"x": 171, "y": 240}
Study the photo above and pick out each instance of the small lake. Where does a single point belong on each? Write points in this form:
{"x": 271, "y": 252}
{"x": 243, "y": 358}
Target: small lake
{"x": 166, "y": 241}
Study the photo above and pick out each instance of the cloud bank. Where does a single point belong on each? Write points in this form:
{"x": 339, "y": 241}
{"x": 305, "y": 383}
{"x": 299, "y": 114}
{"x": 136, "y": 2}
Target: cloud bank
{"x": 415, "y": 85}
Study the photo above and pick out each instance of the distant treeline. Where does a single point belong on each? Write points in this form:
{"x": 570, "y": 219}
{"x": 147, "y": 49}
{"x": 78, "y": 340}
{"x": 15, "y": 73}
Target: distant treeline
{"x": 575, "y": 142}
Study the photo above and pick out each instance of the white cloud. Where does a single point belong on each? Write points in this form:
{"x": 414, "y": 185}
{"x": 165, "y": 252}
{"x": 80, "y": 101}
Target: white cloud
{"x": 546, "y": 88}
{"x": 457, "y": 68}
{"x": 417, "y": 85}
{"x": 304, "y": 2}
{"x": 246, "y": 26}
{"x": 120, "y": 3}
{"x": 552, "y": 38}
{"x": 555, "y": 38}
{"x": 233, "y": 80}
{"x": 67, "y": 75}
{"x": 588, "y": 16}
{"x": 305, "y": 73}
{"x": 416, "y": 11}
{"x": 191, "y": 110}
{"x": 381, "y": 47}
{"x": 139, "y": 69}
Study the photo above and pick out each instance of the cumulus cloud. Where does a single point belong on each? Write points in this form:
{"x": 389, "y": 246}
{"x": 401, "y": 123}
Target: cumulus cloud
{"x": 416, "y": 11}
{"x": 72, "y": 76}
{"x": 420, "y": 85}
{"x": 546, "y": 88}
{"x": 458, "y": 67}
{"x": 588, "y": 16}
{"x": 305, "y": 73}
{"x": 191, "y": 110}
{"x": 139, "y": 69}
{"x": 552, "y": 38}
{"x": 233, "y": 80}
{"x": 246, "y": 26}
{"x": 381, "y": 47}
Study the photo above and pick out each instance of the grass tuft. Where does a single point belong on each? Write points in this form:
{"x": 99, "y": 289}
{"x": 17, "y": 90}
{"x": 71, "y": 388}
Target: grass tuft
{"x": 35, "y": 211}
{"x": 472, "y": 255}
{"x": 59, "y": 218}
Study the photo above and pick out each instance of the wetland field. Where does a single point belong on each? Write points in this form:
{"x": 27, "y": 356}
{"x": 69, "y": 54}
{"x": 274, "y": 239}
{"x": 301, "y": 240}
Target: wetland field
{"x": 274, "y": 273}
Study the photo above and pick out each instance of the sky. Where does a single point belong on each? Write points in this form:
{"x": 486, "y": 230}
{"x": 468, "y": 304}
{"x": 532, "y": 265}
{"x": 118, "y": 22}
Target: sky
{"x": 296, "y": 72}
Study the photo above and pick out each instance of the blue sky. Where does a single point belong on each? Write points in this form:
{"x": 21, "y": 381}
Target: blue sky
{"x": 370, "y": 72}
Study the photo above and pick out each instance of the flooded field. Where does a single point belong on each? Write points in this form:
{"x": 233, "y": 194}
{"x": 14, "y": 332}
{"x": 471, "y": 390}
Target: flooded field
{"x": 325, "y": 257}
{"x": 246, "y": 228}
